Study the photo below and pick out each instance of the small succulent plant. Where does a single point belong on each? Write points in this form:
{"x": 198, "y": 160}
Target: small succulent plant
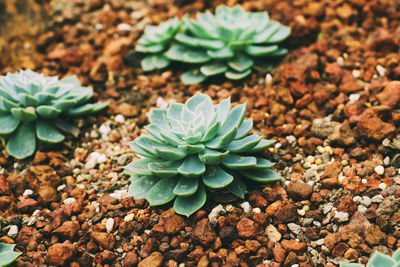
{"x": 231, "y": 42}
{"x": 194, "y": 146}
{"x": 31, "y": 106}
{"x": 378, "y": 260}
{"x": 7, "y": 254}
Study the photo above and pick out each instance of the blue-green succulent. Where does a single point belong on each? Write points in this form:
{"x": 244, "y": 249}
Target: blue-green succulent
{"x": 378, "y": 259}
{"x": 32, "y": 106}
{"x": 231, "y": 42}
{"x": 194, "y": 146}
{"x": 7, "y": 254}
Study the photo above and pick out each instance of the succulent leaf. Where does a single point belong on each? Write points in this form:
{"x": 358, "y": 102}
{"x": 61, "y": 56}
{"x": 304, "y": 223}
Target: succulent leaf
{"x": 217, "y": 178}
{"x": 196, "y": 145}
{"x": 186, "y": 186}
{"x": 193, "y": 76}
{"x": 187, "y": 205}
{"x": 28, "y": 100}
{"x": 47, "y": 132}
{"x": 225, "y": 42}
{"x": 22, "y": 142}
{"x": 8, "y": 123}
{"x": 141, "y": 185}
{"x": 7, "y": 254}
{"x": 163, "y": 191}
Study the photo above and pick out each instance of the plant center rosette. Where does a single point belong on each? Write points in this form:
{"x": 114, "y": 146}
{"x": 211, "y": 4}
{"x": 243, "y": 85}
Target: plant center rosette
{"x": 32, "y": 107}
{"x": 194, "y": 146}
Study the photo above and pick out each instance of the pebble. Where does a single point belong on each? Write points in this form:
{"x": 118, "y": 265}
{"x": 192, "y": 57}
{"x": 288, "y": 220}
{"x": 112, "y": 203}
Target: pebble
{"x": 69, "y": 200}
{"x": 13, "y": 231}
{"x": 246, "y": 207}
{"x": 61, "y": 187}
{"x": 291, "y": 139}
{"x": 129, "y": 217}
{"x": 381, "y": 70}
{"x": 28, "y": 192}
{"x": 257, "y": 210}
{"x": 104, "y": 130}
{"x": 386, "y": 161}
{"x": 268, "y": 78}
{"x": 354, "y": 98}
{"x": 215, "y": 213}
{"x": 295, "y": 228}
{"x": 341, "y": 216}
{"x": 320, "y": 242}
{"x": 361, "y": 208}
{"x": 327, "y": 208}
{"x": 382, "y": 186}
{"x": 273, "y": 233}
{"x": 109, "y": 225}
{"x": 119, "y": 194}
{"x": 120, "y": 118}
{"x": 380, "y": 169}
{"x": 377, "y": 199}
{"x": 366, "y": 201}
{"x": 124, "y": 27}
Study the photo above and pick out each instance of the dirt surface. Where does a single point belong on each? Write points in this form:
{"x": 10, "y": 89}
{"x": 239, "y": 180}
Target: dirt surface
{"x": 332, "y": 104}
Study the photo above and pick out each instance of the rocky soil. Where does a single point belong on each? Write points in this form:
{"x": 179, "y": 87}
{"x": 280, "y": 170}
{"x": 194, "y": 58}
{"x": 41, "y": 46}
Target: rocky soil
{"x": 332, "y": 104}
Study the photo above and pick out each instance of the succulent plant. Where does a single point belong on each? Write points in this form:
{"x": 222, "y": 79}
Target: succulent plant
{"x": 7, "y": 254}
{"x": 231, "y": 42}
{"x": 378, "y": 259}
{"x": 194, "y": 146}
{"x": 31, "y": 106}
{"x": 154, "y": 42}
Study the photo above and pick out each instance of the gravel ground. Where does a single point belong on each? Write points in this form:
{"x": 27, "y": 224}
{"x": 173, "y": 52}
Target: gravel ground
{"x": 332, "y": 104}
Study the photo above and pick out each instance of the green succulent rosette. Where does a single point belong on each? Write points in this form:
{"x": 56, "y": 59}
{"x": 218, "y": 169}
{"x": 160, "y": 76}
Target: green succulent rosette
{"x": 32, "y": 105}
{"x": 378, "y": 259}
{"x": 194, "y": 146}
{"x": 230, "y": 42}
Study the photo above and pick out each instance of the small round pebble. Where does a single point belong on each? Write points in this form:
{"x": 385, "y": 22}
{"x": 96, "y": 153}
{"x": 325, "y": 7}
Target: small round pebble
{"x": 28, "y": 192}
{"x": 380, "y": 169}
{"x": 69, "y": 200}
{"x": 109, "y": 225}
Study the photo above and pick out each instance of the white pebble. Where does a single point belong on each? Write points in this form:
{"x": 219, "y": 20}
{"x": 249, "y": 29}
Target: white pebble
{"x": 356, "y": 73}
{"x": 129, "y": 217}
{"x": 28, "y": 192}
{"x": 109, "y": 225}
{"x": 291, "y": 139}
{"x": 320, "y": 242}
{"x": 341, "y": 216}
{"x": 386, "y": 161}
{"x": 69, "y": 200}
{"x": 268, "y": 78}
{"x": 102, "y": 158}
{"x": 380, "y": 169}
{"x": 340, "y": 61}
{"x": 381, "y": 70}
{"x": 364, "y": 181}
{"x": 124, "y": 27}
{"x": 246, "y": 207}
{"x": 61, "y": 187}
{"x": 354, "y": 98}
{"x": 377, "y": 199}
{"x": 13, "y": 231}
{"x": 382, "y": 186}
{"x": 361, "y": 208}
{"x": 301, "y": 212}
{"x": 257, "y": 210}
{"x": 366, "y": 201}
{"x": 104, "y": 129}
{"x": 215, "y": 213}
{"x": 357, "y": 199}
{"x": 120, "y": 118}
{"x": 277, "y": 145}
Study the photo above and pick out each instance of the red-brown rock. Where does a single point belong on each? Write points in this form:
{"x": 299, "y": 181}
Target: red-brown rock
{"x": 375, "y": 128}
{"x": 204, "y": 233}
{"x": 247, "y": 228}
{"x": 390, "y": 96}
{"x": 60, "y": 253}
{"x": 293, "y": 245}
